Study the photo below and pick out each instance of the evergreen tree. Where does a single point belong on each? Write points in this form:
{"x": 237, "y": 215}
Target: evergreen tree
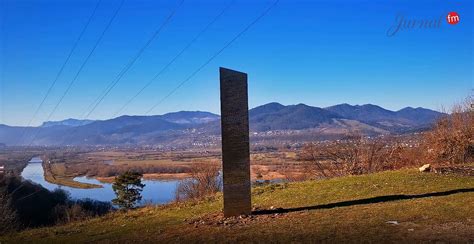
{"x": 128, "y": 187}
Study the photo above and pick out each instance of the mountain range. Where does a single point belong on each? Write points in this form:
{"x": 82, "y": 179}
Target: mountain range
{"x": 196, "y": 127}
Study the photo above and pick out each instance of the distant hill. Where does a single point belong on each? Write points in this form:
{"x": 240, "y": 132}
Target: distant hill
{"x": 197, "y": 127}
{"x": 121, "y": 130}
{"x": 67, "y": 122}
{"x": 266, "y": 109}
{"x": 292, "y": 117}
{"x": 368, "y": 118}
{"x": 375, "y": 115}
{"x": 419, "y": 115}
{"x": 367, "y": 112}
{"x": 187, "y": 117}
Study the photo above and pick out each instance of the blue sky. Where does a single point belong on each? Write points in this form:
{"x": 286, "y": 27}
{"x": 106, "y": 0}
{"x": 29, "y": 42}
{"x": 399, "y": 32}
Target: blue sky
{"x": 319, "y": 53}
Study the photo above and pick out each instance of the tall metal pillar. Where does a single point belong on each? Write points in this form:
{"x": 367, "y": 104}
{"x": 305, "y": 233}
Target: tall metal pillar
{"x": 235, "y": 142}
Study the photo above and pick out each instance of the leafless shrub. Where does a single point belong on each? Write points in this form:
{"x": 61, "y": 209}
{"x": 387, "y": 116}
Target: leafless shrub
{"x": 79, "y": 210}
{"x": 258, "y": 172}
{"x": 67, "y": 214}
{"x": 205, "y": 181}
{"x": 452, "y": 139}
{"x": 295, "y": 177}
{"x": 354, "y": 155}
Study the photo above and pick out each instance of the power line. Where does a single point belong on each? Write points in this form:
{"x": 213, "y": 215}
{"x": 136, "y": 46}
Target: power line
{"x": 83, "y": 64}
{"x": 18, "y": 188}
{"x": 175, "y": 58}
{"x": 133, "y": 60}
{"x": 74, "y": 46}
{"x": 30, "y": 195}
{"x": 87, "y": 59}
{"x": 215, "y": 55}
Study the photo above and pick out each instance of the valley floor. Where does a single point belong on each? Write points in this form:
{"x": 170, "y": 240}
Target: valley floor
{"x": 396, "y": 206}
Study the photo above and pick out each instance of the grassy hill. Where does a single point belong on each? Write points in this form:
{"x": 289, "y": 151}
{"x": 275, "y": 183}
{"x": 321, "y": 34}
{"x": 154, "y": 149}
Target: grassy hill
{"x": 426, "y": 206}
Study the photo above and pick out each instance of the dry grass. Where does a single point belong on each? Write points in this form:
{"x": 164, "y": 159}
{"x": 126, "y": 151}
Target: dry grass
{"x": 452, "y": 139}
{"x": 443, "y": 218}
{"x": 105, "y": 165}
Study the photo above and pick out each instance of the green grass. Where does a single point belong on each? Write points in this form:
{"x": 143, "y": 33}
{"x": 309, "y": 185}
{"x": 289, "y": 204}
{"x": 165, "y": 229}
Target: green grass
{"x": 448, "y": 218}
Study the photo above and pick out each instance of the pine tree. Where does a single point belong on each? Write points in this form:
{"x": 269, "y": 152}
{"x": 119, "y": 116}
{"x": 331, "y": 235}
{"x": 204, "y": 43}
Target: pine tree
{"x": 128, "y": 187}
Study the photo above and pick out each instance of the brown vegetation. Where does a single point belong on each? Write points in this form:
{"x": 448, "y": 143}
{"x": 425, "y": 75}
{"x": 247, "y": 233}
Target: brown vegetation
{"x": 104, "y": 164}
{"x": 450, "y": 142}
{"x": 354, "y": 155}
{"x": 452, "y": 139}
{"x": 14, "y": 160}
{"x": 56, "y": 173}
{"x": 113, "y": 170}
{"x": 204, "y": 181}
{"x": 79, "y": 210}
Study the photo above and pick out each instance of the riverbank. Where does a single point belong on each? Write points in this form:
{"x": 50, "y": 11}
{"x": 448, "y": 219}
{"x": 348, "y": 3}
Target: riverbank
{"x": 175, "y": 165}
{"x": 56, "y": 174}
{"x": 258, "y": 173}
{"x": 396, "y": 206}
{"x": 154, "y": 192}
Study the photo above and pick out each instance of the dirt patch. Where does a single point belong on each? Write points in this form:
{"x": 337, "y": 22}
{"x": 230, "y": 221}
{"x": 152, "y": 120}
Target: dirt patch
{"x": 264, "y": 172}
{"x": 218, "y": 219}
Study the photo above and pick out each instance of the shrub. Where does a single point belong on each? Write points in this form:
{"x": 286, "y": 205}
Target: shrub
{"x": 9, "y": 219}
{"x": 354, "y": 155}
{"x": 80, "y": 210}
{"x": 452, "y": 139}
{"x": 205, "y": 181}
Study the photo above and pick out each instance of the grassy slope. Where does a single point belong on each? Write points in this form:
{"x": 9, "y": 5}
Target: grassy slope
{"x": 437, "y": 218}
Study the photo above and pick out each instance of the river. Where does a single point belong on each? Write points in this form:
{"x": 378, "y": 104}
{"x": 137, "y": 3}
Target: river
{"x": 155, "y": 191}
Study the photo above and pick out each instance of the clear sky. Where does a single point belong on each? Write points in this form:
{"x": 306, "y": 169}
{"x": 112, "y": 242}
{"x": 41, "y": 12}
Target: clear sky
{"x": 319, "y": 53}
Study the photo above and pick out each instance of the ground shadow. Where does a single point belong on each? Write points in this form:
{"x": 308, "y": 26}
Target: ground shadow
{"x": 379, "y": 199}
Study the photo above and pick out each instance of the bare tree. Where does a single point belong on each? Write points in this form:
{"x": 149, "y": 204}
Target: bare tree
{"x": 452, "y": 139}
{"x": 205, "y": 180}
{"x": 315, "y": 161}
{"x": 353, "y": 154}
